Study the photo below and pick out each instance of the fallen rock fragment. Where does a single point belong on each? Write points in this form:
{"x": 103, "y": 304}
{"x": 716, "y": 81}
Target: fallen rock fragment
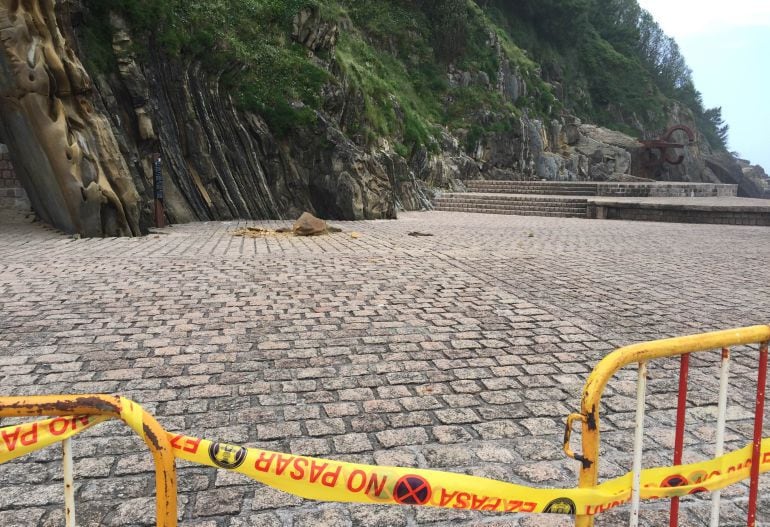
{"x": 309, "y": 225}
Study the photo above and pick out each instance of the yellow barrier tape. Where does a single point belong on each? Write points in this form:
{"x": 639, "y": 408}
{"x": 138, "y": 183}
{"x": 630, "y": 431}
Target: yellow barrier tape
{"x": 23, "y": 439}
{"x": 327, "y": 480}
{"x": 338, "y": 481}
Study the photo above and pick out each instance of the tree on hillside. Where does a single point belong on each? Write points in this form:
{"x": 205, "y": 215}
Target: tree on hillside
{"x": 662, "y": 56}
{"x": 617, "y": 21}
{"x": 619, "y": 52}
{"x": 714, "y": 117}
{"x": 449, "y": 27}
{"x": 558, "y": 21}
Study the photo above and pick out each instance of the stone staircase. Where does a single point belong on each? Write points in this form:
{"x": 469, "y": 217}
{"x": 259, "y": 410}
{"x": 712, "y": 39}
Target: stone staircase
{"x": 551, "y": 188}
{"x": 516, "y": 204}
{"x": 522, "y": 198}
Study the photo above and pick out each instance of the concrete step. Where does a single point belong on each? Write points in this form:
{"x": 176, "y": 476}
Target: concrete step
{"x": 512, "y": 206}
{"x": 534, "y": 191}
{"x": 504, "y": 182}
{"x": 533, "y": 187}
{"x": 537, "y": 191}
{"x": 529, "y": 184}
{"x": 523, "y": 208}
{"x": 512, "y": 198}
{"x": 512, "y": 212}
{"x": 515, "y": 204}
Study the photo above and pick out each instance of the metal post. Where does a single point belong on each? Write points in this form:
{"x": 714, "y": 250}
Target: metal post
{"x": 758, "y": 422}
{"x": 724, "y": 374}
{"x": 69, "y": 484}
{"x": 641, "y": 390}
{"x": 157, "y": 172}
{"x": 681, "y": 415}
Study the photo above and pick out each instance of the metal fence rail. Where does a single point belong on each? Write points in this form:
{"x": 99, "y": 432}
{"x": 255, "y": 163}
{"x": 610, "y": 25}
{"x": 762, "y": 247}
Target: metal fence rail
{"x": 641, "y": 354}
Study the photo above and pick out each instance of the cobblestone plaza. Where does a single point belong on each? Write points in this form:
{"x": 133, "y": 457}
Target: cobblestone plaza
{"x": 461, "y": 351}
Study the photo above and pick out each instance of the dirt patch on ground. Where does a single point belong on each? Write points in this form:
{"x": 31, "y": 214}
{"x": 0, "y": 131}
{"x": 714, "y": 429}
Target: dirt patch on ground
{"x": 259, "y": 232}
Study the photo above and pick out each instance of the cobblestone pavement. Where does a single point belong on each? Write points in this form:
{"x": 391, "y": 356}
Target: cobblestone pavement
{"x": 462, "y": 351}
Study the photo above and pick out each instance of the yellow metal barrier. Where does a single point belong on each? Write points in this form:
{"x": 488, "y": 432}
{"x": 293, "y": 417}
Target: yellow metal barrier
{"x": 641, "y": 354}
{"x": 114, "y": 407}
{"x": 330, "y": 480}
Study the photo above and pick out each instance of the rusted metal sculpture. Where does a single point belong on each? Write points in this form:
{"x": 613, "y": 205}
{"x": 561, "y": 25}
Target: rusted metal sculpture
{"x": 666, "y": 147}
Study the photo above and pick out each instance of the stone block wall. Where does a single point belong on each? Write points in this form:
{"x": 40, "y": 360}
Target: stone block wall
{"x": 723, "y": 216}
{"x": 667, "y": 190}
{"x": 12, "y": 195}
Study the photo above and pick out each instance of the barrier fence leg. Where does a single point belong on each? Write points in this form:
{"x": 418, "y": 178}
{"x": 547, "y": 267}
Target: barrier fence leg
{"x": 69, "y": 483}
{"x": 641, "y": 390}
{"x": 758, "y": 422}
{"x": 724, "y": 374}
{"x": 681, "y": 415}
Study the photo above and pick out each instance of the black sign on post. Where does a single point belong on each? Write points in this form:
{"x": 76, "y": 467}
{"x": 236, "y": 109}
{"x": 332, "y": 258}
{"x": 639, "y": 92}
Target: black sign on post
{"x": 157, "y": 174}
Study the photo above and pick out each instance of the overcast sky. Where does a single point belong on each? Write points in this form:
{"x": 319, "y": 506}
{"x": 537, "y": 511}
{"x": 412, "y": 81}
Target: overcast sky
{"x": 727, "y": 45}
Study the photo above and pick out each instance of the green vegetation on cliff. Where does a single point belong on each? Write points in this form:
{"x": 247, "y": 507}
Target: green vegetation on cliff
{"x": 617, "y": 65}
{"x": 420, "y": 65}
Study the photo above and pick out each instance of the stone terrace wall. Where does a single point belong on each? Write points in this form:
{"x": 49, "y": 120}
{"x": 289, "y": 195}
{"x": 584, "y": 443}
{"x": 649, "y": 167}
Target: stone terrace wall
{"x": 12, "y": 195}
{"x": 667, "y": 190}
{"x": 736, "y": 216}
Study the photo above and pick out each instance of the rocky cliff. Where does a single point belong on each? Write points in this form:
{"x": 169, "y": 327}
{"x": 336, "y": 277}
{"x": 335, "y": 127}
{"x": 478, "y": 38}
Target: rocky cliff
{"x": 373, "y": 139}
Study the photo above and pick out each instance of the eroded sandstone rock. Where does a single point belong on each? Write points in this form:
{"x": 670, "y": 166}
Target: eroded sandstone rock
{"x": 62, "y": 147}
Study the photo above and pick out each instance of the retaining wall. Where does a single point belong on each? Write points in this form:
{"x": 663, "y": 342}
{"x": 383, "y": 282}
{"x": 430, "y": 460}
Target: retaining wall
{"x": 12, "y": 195}
{"x": 667, "y": 190}
{"x": 671, "y": 214}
